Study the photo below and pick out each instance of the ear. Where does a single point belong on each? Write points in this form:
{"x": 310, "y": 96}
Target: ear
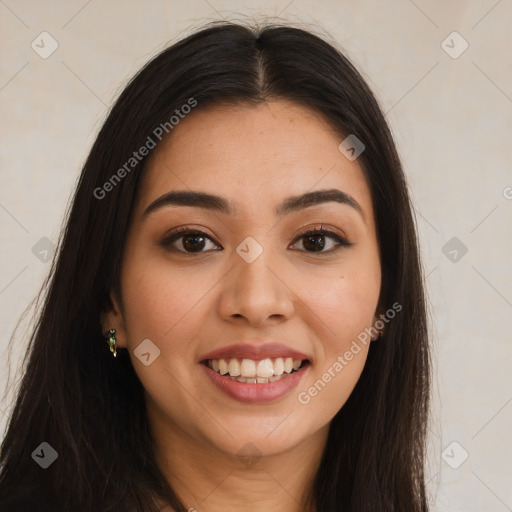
{"x": 111, "y": 317}
{"x": 377, "y": 325}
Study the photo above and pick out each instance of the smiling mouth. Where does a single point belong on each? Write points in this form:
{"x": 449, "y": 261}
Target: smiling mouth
{"x": 256, "y": 372}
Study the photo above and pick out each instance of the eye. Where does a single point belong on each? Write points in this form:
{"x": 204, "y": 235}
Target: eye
{"x": 315, "y": 240}
{"x": 192, "y": 241}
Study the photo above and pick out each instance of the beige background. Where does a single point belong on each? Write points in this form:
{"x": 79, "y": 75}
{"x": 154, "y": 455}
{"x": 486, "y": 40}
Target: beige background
{"x": 452, "y": 120}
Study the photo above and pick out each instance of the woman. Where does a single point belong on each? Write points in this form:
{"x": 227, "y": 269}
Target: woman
{"x": 235, "y": 319}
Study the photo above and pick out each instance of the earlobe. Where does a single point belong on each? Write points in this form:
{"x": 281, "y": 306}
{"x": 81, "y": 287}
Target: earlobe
{"x": 377, "y": 327}
{"x": 111, "y": 317}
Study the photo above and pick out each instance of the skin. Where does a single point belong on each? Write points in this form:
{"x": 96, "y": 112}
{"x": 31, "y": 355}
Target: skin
{"x": 188, "y": 304}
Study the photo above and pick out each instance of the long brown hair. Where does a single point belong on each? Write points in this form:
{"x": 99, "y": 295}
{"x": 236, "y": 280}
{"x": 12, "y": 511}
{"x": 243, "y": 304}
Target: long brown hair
{"x": 89, "y": 406}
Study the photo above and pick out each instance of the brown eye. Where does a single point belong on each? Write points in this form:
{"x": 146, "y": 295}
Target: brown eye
{"x": 315, "y": 243}
{"x": 192, "y": 241}
{"x": 317, "y": 240}
{"x": 189, "y": 241}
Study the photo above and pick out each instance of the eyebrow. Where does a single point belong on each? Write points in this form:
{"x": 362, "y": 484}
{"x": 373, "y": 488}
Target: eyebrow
{"x": 220, "y": 204}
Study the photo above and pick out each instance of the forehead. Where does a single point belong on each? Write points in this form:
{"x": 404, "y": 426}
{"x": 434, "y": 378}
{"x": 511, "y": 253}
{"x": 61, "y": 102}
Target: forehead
{"x": 253, "y": 155}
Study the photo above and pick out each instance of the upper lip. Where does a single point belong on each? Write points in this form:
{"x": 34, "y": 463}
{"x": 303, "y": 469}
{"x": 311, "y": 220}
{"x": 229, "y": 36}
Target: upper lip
{"x": 254, "y": 352}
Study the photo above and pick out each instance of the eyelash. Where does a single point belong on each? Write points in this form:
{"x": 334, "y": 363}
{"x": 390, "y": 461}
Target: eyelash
{"x": 187, "y": 231}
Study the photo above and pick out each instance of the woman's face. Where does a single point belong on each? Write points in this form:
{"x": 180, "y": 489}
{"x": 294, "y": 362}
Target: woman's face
{"x": 252, "y": 285}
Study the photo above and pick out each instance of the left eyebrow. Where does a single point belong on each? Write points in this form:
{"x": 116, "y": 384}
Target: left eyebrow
{"x": 207, "y": 201}
{"x": 296, "y": 203}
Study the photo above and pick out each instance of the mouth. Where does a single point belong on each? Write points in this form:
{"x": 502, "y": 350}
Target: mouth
{"x": 250, "y": 371}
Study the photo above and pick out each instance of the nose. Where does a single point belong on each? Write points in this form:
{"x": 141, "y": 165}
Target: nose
{"x": 256, "y": 292}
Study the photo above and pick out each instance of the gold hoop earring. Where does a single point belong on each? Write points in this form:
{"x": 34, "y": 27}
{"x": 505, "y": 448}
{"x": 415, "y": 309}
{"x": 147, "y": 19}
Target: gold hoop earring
{"x": 112, "y": 341}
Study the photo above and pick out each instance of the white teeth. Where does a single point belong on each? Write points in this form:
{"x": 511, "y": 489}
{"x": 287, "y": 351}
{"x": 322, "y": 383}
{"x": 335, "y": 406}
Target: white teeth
{"x": 279, "y": 366}
{"x": 234, "y": 368}
{"x": 259, "y": 380}
{"x": 265, "y": 369}
{"x": 248, "y": 368}
{"x": 223, "y": 367}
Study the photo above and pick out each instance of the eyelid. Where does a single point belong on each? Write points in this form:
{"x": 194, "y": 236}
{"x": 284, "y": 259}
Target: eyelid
{"x": 322, "y": 227}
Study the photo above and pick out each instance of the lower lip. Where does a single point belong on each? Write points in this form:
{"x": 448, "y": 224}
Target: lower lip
{"x": 256, "y": 393}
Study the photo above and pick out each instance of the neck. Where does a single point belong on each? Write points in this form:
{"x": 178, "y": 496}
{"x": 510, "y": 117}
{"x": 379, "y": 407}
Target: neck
{"x": 207, "y": 479}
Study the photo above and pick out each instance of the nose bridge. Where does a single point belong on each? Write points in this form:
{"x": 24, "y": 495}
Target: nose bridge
{"x": 256, "y": 271}
{"x": 256, "y": 266}
{"x": 255, "y": 289}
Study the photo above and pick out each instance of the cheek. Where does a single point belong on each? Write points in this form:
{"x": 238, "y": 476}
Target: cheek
{"x": 167, "y": 306}
{"x": 347, "y": 301}
{"x": 343, "y": 306}
{"x": 343, "y": 313}
{"x": 162, "y": 302}
{"x": 344, "y": 301}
